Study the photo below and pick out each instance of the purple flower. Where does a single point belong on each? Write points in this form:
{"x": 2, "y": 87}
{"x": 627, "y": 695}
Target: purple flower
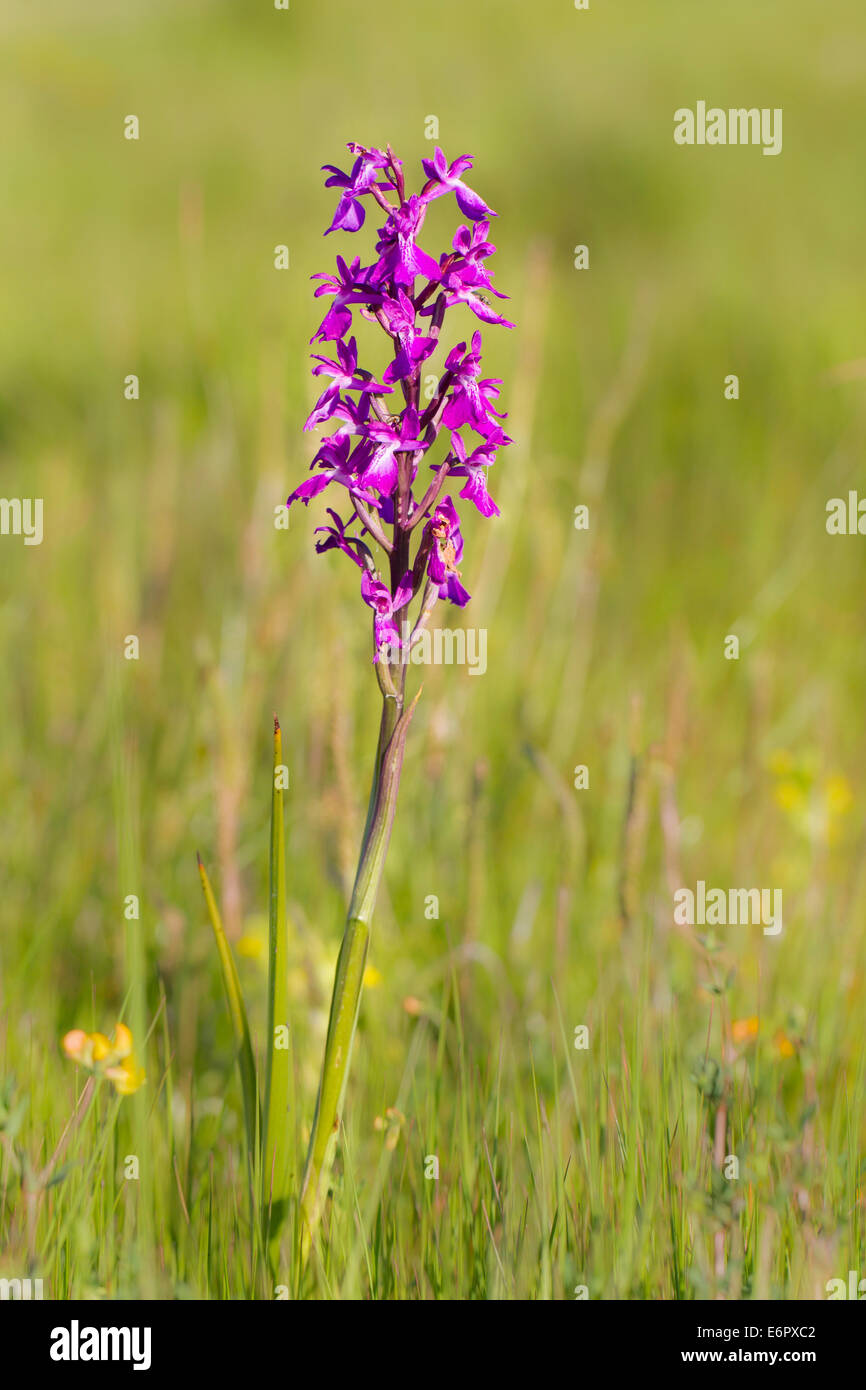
{"x": 378, "y": 596}
{"x": 399, "y": 255}
{"x": 344, "y": 371}
{"x": 339, "y": 467}
{"x": 466, "y": 263}
{"x": 349, "y": 216}
{"x": 478, "y": 304}
{"x": 400, "y": 539}
{"x": 446, "y": 550}
{"x": 351, "y": 285}
{"x": 354, "y": 413}
{"x": 346, "y": 377}
{"x": 399, "y": 314}
{"x": 445, "y": 178}
{"x": 390, "y": 439}
{"x": 470, "y": 400}
{"x": 473, "y": 467}
{"x": 337, "y": 539}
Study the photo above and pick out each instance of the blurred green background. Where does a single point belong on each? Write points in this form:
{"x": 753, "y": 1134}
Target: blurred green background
{"x": 605, "y": 647}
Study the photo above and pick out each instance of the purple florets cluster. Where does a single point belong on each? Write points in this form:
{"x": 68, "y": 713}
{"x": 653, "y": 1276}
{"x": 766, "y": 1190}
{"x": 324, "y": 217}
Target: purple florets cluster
{"x": 375, "y": 451}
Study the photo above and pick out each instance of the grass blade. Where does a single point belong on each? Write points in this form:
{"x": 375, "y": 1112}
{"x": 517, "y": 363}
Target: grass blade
{"x": 278, "y": 1145}
{"x": 238, "y": 1014}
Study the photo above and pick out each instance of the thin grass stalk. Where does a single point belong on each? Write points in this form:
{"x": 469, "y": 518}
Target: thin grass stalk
{"x": 240, "y": 1024}
{"x": 278, "y": 1145}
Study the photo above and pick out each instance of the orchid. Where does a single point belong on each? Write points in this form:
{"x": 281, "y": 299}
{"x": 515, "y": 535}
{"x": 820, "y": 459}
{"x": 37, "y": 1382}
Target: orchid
{"x": 384, "y": 605}
{"x": 474, "y": 468}
{"x": 375, "y": 454}
{"x": 391, "y": 440}
{"x": 350, "y": 211}
{"x": 379, "y": 471}
{"x": 347, "y": 287}
{"x": 445, "y": 178}
{"x": 344, "y": 377}
{"x": 446, "y": 548}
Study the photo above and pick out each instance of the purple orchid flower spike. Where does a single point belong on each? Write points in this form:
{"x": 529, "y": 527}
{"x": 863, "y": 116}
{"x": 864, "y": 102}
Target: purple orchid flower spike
{"x": 374, "y": 454}
{"x": 407, "y": 546}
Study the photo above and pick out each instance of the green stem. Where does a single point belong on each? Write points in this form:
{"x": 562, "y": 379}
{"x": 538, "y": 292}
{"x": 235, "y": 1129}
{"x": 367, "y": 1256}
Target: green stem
{"x": 348, "y": 981}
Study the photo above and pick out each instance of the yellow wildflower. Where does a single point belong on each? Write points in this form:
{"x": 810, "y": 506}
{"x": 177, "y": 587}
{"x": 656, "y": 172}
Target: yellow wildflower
{"x": 127, "y": 1077}
{"x": 745, "y": 1030}
{"x": 790, "y": 795}
{"x": 254, "y": 944}
{"x": 391, "y": 1123}
{"x": 114, "y": 1060}
{"x": 815, "y": 803}
{"x": 840, "y": 797}
{"x": 781, "y": 762}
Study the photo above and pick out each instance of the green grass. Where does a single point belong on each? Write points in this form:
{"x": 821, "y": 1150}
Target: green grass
{"x": 558, "y": 1167}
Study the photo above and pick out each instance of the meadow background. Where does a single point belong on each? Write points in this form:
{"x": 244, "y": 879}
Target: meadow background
{"x": 558, "y": 1167}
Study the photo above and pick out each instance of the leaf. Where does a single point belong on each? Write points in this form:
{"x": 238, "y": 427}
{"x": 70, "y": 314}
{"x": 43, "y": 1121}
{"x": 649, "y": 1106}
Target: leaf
{"x": 237, "y": 1010}
{"x": 278, "y": 1138}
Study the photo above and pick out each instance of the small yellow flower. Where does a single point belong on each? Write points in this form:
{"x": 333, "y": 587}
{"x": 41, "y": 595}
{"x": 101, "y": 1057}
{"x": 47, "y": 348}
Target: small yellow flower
{"x": 114, "y": 1060}
{"x": 127, "y": 1077}
{"x": 101, "y": 1047}
{"x": 122, "y": 1041}
{"x": 78, "y": 1045}
{"x": 838, "y": 793}
{"x": 815, "y": 803}
{"x": 254, "y": 944}
{"x": 790, "y": 795}
{"x": 372, "y": 977}
{"x": 392, "y": 1123}
{"x": 783, "y": 1044}
{"x": 781, "y": 762}
{"x": 745, "y": 1030}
